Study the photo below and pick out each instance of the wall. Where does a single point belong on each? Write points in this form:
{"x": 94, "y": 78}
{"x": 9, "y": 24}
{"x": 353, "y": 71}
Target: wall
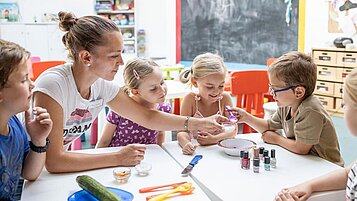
{"x": 316, "y": 26}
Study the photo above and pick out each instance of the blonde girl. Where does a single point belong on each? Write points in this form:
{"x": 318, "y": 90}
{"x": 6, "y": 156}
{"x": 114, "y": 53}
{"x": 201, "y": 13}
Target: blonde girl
{"x": 207, "y": 74}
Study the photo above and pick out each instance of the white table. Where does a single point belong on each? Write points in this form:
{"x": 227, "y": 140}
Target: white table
{"x": 164, "y": 171}
{"x": 176, "y": 89}
{"x": 222, "y": 178}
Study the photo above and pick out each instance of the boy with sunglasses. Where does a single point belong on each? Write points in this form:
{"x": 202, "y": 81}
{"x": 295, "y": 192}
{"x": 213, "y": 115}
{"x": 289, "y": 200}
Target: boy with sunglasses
{"x": 308, "y": 127}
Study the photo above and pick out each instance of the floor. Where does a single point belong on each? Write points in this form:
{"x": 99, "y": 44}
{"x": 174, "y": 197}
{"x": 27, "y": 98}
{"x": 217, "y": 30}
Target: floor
{"x": 348, "y": 142}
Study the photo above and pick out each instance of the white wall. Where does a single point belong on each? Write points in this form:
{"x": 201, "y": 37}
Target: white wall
{"x": 316, "y": 26}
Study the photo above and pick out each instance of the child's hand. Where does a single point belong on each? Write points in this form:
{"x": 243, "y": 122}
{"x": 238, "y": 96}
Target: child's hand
{"x": 131, "y": 154}
{"x": 189, "y": 148}
{"x": 270, "y": 137}
{"x": 40, "y": 127}
{"x": 286, "y": 195}
{"x": 205, "y": 138}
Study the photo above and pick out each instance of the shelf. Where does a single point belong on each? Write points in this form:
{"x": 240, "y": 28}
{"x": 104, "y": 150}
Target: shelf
{"x": 126, "y": 26}
{"x": 129, "y": 39}
{"x": 114, "y": 12}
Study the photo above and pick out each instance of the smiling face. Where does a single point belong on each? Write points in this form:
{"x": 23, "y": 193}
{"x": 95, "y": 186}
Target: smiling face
{"x": 152, "y": 88}
{"x": 108, "y": 57}
{"x": 210, "y": 87}
{"x": 16, "y": 94}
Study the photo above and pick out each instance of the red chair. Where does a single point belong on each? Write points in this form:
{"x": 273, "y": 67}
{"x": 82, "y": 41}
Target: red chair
{"x": 249, "y": 88}
{"x": 39, "y": 67}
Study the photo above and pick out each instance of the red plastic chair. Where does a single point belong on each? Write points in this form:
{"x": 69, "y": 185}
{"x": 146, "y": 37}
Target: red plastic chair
{"x": 249, "y": 88}
{"x": 39, "y": 67}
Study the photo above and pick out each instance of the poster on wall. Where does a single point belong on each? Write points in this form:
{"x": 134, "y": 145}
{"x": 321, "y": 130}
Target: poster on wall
{"x": 343, "y": 17}
{"x": 9, "y": 12}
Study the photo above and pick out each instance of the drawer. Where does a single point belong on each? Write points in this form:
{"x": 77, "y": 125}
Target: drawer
{"x": 346, "y": 59}
{"x": 325, "y": 57}
{"x": 329, "y": 73}
{"x": 338, "y": 90}
{"x": 339, "y": 105}
{"x": 325, "y": 88}
{"x": 327, "y": 102}
{"x": 345, "y": 72}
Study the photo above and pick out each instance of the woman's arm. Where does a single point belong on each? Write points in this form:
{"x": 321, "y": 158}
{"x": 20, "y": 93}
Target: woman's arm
{"x": 107, "y": 135}
{"x": 153, "y": 119}
{"x": 58, "y": 160}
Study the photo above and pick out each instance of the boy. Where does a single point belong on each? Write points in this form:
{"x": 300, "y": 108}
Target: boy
{"x": 307, "y": 125}
{"x": 18, "y": 157}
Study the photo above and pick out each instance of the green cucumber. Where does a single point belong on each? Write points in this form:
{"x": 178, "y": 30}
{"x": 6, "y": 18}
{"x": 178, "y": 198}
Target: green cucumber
{"x": 95, "y": 188}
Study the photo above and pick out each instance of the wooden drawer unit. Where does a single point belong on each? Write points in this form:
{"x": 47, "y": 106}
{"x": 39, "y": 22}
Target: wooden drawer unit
{"x": 327, "y": 102}
{"x": 325, "y": 57}
{"x": 333, "y": 66}
{"x": 345, "y": 72}
{"x": 325, "y": 88}
{"x": 338, "y": 90}
{"x": 347, "y": 59}
{"x": 339, "y": 104}
{"x": 329, "y": 73}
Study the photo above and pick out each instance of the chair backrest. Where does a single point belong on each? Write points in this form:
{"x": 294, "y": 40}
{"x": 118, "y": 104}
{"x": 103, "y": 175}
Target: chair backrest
{"x": 270, "y": 61}
{"x": 249, "y": 88}
{"x": 39, "y": 67}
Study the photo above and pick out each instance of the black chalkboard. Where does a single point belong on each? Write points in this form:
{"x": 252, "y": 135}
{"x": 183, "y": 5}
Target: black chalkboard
{"x": 242, "y": 31}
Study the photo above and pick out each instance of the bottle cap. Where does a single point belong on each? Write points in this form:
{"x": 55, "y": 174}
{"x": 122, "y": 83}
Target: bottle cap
{"x": 256, "y": 152}
{"x": 256, "y": 162}
{"x": 266, "y": 153}
{"x": 241, "y": 153}
{"x": 245, "y": 154}
{"x": 261, "y": 150}
{"x": 272, "y": 153}
{"x": 267, "y": 160}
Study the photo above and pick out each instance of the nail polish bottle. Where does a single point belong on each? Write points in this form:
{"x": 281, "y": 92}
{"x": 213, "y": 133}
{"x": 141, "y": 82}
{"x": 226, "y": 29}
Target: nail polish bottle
{"x": 246, "y": 161}
{"x": 256, "y": 162}
{"x": 267, "y": 163}
{"x": 261, "y": 151}
{"x": 241, "y": 157}
{"x": 272, "y": 159}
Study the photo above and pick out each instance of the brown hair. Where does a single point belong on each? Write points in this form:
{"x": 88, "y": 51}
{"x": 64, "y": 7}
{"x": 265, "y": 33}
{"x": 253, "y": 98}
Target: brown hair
{"x": 84, "y": 33}
{"x": 202, "y": 66}
{"x": 295, "y": 69}
{"x": 11, "y": 55}
{"x": 135, "y": 70}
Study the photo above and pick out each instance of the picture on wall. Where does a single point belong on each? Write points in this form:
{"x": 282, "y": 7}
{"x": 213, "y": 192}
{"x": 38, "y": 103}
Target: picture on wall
{"x": 343, "y": 17}
{"x": 9, "y": 12}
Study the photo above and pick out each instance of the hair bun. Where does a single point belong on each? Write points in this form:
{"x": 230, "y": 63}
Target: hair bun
{"x": 67, "y": 20}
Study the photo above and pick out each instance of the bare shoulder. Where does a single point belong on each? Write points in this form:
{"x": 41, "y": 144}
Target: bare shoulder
{"x": 226, "y": 98}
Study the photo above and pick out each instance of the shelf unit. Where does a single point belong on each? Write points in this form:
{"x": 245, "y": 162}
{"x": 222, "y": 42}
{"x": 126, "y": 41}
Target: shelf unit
{"x": 333, "y": 65}
{"x": 122, "y": 14}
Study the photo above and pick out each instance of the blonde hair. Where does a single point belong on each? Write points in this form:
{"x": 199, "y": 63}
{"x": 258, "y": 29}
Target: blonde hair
{"x": 84, "y": 33}
{"x": 135, "y": 70}
{"x": 202, "y": 66}
{"x": 11, "y": 56}
{"x": 295, "y": 69}
{"x": 350, "y": 87}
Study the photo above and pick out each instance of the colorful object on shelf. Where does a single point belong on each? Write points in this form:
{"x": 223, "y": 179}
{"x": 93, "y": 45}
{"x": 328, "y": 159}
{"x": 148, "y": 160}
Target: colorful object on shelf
{"x": 141, "y": 43}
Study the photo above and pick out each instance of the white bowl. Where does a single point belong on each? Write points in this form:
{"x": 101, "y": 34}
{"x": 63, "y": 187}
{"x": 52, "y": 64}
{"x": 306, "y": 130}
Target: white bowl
{"x": 232, "y": 147}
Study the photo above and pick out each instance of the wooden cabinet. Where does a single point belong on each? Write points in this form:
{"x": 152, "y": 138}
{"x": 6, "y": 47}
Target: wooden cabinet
{"x": 333, "y": 65}
{"x": 41, "y": 39}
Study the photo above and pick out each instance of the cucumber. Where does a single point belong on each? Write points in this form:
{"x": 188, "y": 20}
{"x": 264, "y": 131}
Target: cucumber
{"x": 95, "y": 188}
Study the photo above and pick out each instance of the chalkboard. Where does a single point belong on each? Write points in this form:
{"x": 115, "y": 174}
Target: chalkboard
{"x": 242, "y": 31}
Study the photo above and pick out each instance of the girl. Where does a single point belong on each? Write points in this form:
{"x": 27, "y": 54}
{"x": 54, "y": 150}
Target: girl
{"x": 74, "y": 94}
{"x": 145, "y": 85}
{"x": 342, "y": 177}
{"x": 207, "y": 74}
